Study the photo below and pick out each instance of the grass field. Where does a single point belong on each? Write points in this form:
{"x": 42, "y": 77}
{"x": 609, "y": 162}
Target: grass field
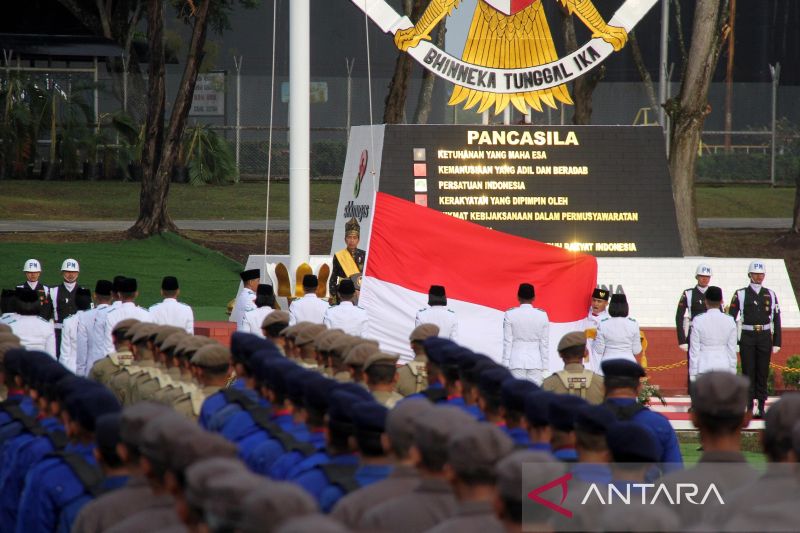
{"x": 208, "y": 279}
{"x": 38, "y": 200}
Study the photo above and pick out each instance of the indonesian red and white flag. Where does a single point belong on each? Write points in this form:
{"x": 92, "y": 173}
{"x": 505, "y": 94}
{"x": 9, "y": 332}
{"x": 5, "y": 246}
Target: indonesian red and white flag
{"x": 413, "y": 247}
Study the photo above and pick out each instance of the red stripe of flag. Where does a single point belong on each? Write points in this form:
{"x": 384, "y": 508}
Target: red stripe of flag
{"x": 416, "y": 247}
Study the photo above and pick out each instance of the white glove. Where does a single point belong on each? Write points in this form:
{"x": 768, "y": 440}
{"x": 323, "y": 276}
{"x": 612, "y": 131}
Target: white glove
{"x": 692, "y": 379}
{"x": 684, "y": 347}
{"x": 776, "y": 349}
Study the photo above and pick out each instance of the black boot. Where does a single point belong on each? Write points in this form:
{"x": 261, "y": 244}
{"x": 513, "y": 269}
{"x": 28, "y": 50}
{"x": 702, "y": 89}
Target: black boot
{"x": 760, "y": 412}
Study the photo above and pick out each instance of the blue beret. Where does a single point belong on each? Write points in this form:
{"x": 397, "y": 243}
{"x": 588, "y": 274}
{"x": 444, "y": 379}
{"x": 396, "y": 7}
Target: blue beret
{"x": 316, "y": 390}
{"x": 30, "y": 363}
{"x": 537, "y": 404}
{"x": 106, "y": 431}
{"x": 48, "y": 376}
{"x": 340, "y": 406}
{"x": 513, "y": 392}
{"x": 86, "y": 407}
{"x": 453, "y": 356}
{"x": 354, "y": 389}
{"x": 594, "y": 419}
{"x": 622, "y": 368}
{"x": 491, "y": 380}
{"x": 369, "y": 416}
{"x": 244, "y": 345}
{"x": 472, "y": 367}
{"x": 434, "y": 347}
{"x": 12, "y": 360}
{"x": 273, "y": 372}
{"x": 562, "y": 410}
{"x": 631, "y": 443}
{"x": 69, "y": 385}
{"x": 295, "y": 384}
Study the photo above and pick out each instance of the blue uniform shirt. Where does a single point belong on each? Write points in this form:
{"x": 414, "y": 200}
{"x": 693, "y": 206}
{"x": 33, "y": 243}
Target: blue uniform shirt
{"x": 50, "y": 486}
{"x": 520, "y": 437}
{"x": 219, "y": 419}
{"x": 567, "y": 455}
{"x": 541, "y": 447}
{"x": 658, "y": 424}
{"x": 458, "y": 401}
{"x": 261, "y": 454}
{"x": 592, "y": 473}
{"x": 8, "y": 426}
{"x": 70, "y": 512}
{"x": 314, "y": 481}
{"x": 286, "y": 463}
{"x": 365, "y": 475}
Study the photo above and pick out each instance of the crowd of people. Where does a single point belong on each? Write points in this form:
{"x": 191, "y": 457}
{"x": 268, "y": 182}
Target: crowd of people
{"x": 131, "y": 422}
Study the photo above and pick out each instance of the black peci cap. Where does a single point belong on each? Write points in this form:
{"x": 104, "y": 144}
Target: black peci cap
{"x": 169, "y": 283}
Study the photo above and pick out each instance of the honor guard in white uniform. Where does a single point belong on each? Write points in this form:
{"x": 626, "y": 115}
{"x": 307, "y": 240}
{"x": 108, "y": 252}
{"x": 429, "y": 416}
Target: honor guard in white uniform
{"x": 757, "y": 308}
{"x": 128, "y": 292}
{"x": 526, "y": 334}
{"x": 33, "y": 271}
{"x": 246, "y": 299}
{"x": 68, "y": 355}
{"x": 88, "y": 343}
{"x": 597, "y": 313}
{"x": 438, "y": 314}
{"x": 308, "y": 308}
{"x": 265, "y": 304}
{"x": 712, "y": 345}
{"x": 171, "y": 312}
{"x": 106, "y": 303}
{"x": 34, "y": 332}
{"x": 349, "y": 318}
{"x": 618, "y": 337}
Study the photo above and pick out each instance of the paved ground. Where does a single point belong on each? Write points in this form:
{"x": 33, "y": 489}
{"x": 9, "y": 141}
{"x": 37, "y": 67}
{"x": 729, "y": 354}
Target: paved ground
{"x": 9, "y": 226}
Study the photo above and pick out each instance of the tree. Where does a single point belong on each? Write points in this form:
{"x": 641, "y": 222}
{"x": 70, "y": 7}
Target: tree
{"x": 584, "y": 86}
{"x": 688, "y": 112}
{"x": 394, "y": 111}
{"x": 796, "y": 210}
{"x": 163, "y": 141}
{"x": 429, "y": 79}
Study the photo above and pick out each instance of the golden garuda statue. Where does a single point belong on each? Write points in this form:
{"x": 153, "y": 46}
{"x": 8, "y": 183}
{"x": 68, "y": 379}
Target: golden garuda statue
{"x": 509, "y": 34}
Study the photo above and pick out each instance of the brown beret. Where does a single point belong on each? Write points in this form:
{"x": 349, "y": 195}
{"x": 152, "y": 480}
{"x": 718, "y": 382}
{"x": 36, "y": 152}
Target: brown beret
{"x": 341, "y": 344}
{"x": 720, "y": 394}
{"x": 121, "y": 328}
{"x": 325, "y": 340}
{"x": 6, "y": 337}
{"x": 142, "y": 332}
{"x": 318, "y": 523}
{"x": 511, "y": 468}
{"x": 164, "y": 332}
{"x": 574, "y": 338}
{"x": 211, "y": 355}
{"x": 189, "y": 345}
{"x": 434, "y": 426}
{"x": 190, "y": 447}
{"x": 5, "y": 328}
{"x": 199, "y": 473}
{"x": 169, "y": 344}
{"x": 224, "y": 494}
{"x": 159, "y": 433}
{"x": 358, "y": 354}
{"x": 308, "y": 334}
{"x": 477, "y": 447}
{"x": 275, "y": 317}
{"x": 134, "y": 418}
{"x": 273, "y": 504}
{"x": 400, "y": 426}
{"x": 423, "y": 331}
{"x": 380, "y": 358}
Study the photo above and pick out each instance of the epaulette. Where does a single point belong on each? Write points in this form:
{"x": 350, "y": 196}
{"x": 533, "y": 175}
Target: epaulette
{"x": 423, "y": 309}
{"x": 451, "y": 311}
{"x": 631, "y": 319}
{"x": 606, "y": 318}
{"x": 43, "y": 320}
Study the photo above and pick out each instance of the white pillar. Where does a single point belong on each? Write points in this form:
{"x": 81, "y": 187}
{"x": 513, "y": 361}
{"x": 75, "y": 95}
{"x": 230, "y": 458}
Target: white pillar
{"x": 299, "y": 132}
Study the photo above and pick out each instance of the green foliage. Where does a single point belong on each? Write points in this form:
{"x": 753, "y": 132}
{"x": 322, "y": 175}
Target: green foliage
{"x": 747, "y": 167}
{"x": 327, "y": 158}
{"x": 24, "y": 105}
{"x": 209, "y": 157}
{"x": 791, "y": 378}
{"x": 219, "y": 11}
{"x": 648, "y": 391}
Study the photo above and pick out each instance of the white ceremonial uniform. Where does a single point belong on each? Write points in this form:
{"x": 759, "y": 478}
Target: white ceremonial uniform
{"x": 85, "y": 339}
{"x": 526, "y": 335}
{"x": 712, "y": 345}
{"x": 591, "y": 322}
{"x": 251, "y": 321}
{"x": 245, "y": 301}
{"x": 69, "y": 341}
{"x": 35, "y": 333}
{"x": 171, "y": 312}
{"x": 97, "y": 341}
{"x": 441, "y": 316}
{"x": 618, "y": 338}
{"x": 7, "y": 318}
{"x": 348, "y": 317}
{"x": 114, "y": 316}
{"x": 309, "y": 308}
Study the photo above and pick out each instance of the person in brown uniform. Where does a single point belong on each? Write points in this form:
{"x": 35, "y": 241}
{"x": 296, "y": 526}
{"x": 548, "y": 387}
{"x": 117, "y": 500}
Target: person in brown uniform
{"x": 412, "y": 377}
{"x": 380, "y": 370}
{"x": 575, "y": 379}
{"x": 105, "y": 368}
{"x": 272, "y": 325}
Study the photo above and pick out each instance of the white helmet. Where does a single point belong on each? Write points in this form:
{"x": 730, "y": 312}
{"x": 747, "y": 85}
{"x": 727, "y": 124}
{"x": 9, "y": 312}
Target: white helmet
{"x": 32, "y": 265}
{"x": 757, "y": 267}
{"x": 703, "y": 270}
{"x": 70, "y": 265}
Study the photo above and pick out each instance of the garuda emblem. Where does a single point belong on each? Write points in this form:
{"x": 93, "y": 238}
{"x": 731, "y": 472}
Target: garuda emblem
{"x": 509, "y": 57}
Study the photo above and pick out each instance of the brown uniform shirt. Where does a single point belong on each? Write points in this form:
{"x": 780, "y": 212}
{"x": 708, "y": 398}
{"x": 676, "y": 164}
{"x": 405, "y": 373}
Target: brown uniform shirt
{"x": 103, "y": 369}
{"x": 387, "y": 399}
{"x": 429, "y": 504}
{"x": 411, "y": 377}
{"x": 351, "y": 509}
{"x": 594, "y": 393}
{"x": 112, "y": 508}
{"x": 471, "y": 517}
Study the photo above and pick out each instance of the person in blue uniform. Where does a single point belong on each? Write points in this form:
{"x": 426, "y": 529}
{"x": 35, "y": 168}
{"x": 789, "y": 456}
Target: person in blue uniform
{"x": 489, "y": 400}
{"x": 622, "y": 378}
{"x": 537, "y": 405}
{"x": 452, "y": 358}
{"x": 369, "y": 419}
{"x": 53, "y": 483}
{"x": 591, "y": 425}
{"x": 634, "y": 450}
{"x": 512, "y": 394}
{"x": 561, "y": 418}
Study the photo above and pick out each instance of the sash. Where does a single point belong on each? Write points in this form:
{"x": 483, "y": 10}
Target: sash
{"x": 346, "y": 262}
